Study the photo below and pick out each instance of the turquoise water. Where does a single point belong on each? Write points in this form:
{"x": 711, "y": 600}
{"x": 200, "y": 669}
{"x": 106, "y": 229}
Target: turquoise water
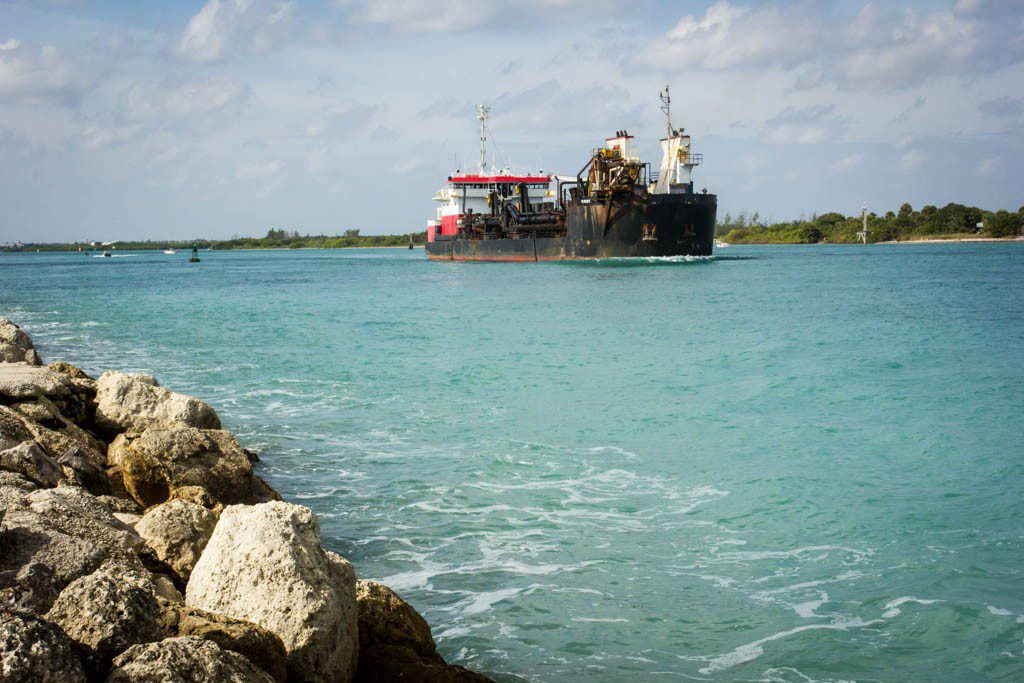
{"x": 787, "y": 464}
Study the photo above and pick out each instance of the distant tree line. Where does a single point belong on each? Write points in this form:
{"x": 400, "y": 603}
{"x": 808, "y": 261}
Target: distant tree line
{"x": 274, "y": 239}
{"x": 951, "y": 221}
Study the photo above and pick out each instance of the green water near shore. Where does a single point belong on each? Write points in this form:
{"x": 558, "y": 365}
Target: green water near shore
{"x": 786, "y": 464}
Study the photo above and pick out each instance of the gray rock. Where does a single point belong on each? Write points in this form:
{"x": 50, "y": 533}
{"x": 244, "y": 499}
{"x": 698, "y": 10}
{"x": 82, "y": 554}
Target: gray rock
{"x": 107, "y": 614}
{"x": 160, "y": 459}
{"x": 177, "y": 531}
{"x": 42, "y": 411}
{"x": 266, "y": 564}
{"x": 117, "y": 504}
{"x": 133, "y": 402}
{"x": 32, "y": 650}
{"x": 164, "y": 588}
{"x": 15, "y": 345}
{"x": 128, "y": 519}
{"x": 16, "y": 481}
{"x": 84, "y": 472}
{"x": 28, "y": 459}
{"x": 31, "y": 588}
{"x": 255, "y": 643}
{"x": 15, "y": 428}
{"x": 65, "y": 528}
{"x": 184, "y": 660}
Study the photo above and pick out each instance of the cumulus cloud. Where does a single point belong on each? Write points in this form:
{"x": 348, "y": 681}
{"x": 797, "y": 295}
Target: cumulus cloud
{"x": 225, "y": 26}
{"x": 876, "y": 50}
{"x": 31, "y": 74}
{"x": 729, "y": 36}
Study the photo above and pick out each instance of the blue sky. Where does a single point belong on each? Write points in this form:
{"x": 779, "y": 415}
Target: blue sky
{"x": 123, "y": 120}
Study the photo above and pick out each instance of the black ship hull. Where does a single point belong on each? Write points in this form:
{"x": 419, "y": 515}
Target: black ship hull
{"x": 650, "y": 226}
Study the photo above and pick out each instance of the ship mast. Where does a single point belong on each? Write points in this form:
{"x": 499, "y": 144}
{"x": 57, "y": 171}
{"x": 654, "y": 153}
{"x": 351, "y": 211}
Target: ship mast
{"x": 481, "y": 114}
{"x": 666, "y": 106}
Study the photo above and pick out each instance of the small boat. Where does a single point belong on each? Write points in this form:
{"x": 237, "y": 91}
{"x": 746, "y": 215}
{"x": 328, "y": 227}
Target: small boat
{"x": 719, "y": 244}
{"x": 107, "y": 254}
{"x": 170, "y": 251}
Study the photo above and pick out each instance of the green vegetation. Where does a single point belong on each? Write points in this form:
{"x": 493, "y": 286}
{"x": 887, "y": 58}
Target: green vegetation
{"x": 274, "y": 239}
{"x": 952, "y": 221}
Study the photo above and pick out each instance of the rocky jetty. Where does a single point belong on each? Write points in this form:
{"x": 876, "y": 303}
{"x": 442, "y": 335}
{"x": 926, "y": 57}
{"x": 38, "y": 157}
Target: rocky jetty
{"x": 138, "y": 544}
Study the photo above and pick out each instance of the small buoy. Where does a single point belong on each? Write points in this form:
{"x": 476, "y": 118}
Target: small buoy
{"x": 195, "y": 255}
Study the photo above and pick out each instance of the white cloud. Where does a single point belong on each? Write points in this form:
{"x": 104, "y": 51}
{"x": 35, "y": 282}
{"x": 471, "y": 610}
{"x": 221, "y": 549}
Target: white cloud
{"x": 416, "y": 17}
{"x": 729, "y": 36}
{"x": 875, "y": 50}
{"x": 31, "y": 74}
{"x": 223, "y": 26}
{"x": 846, "y": 163}
{"x": 441, "y": 16}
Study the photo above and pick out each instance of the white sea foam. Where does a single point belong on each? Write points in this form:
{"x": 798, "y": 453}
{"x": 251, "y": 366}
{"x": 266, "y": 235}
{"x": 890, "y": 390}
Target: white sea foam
{"x": 807, "y": 609}
{"x": 751, "y": 651}
{"x": 892, "y": 608}
{"x": 483, "y": 602}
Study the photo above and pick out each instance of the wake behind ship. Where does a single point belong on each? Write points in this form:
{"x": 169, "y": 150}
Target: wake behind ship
{"x": 615, "y": 207}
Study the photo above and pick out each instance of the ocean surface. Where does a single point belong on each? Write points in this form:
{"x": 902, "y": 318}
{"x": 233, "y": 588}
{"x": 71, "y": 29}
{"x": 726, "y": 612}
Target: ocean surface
{"x": 783, "y": 464}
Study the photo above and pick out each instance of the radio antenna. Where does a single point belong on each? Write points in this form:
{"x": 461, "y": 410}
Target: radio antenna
{"x": 666, "y": 106}
{"x": 481, "y": 114}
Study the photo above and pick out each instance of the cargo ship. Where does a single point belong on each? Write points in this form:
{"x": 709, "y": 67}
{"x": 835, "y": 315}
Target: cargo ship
{"x": 616, "y": 206}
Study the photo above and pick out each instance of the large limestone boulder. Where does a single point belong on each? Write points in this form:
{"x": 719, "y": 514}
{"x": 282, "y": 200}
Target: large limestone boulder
{"x": 15, "y": 345}
{"x": 255, "y": 643}
{"x": 66, "y": 529}
{"x": 107, "y": 614}
{"x": 266, "y": 564}
{"x": 164, "y": 458}
{"x": 28, "y": 459}
{"x": 395, "y": 643}
{"x": 127, "y": 402}
{"x": 177, "y": 531}
{"x": 184, "y": 660}
{"x": 32, "y": 650}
